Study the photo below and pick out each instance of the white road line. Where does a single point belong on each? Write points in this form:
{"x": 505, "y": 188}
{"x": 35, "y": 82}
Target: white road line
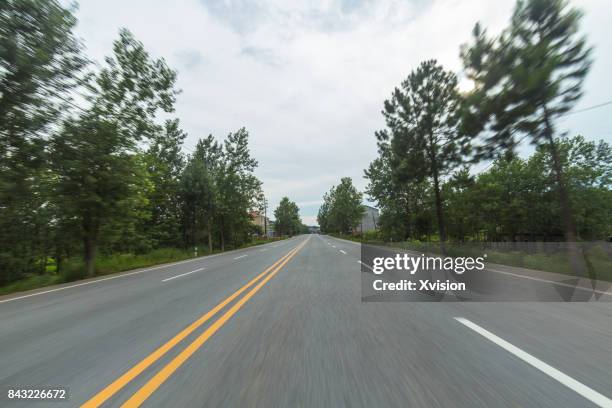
{"x": 241, "y": 256}
{"x": 516, "y": 275}
{"x": 103, "y": 279}
{"x": 586, "y": 392}
{"x": 348, "y": 240}
{"x": 333, "y": 246}
{"x": 366, "y": 265}
{"x": 263, "y": 250}
{"x": 343, "y": 252}
{"x": 183, "y": 274}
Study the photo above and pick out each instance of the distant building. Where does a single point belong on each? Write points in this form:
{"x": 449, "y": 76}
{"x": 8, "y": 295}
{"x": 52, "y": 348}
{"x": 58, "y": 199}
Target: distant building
{"x": 271, "y": 229}
{"x": 262, "y": 222}
{"x": 369, "y": 220}
{"x": 313, "y": 229}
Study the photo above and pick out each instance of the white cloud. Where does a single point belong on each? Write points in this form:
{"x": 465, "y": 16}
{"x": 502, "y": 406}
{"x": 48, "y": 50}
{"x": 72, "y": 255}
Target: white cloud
{"x": 308, "y": 79}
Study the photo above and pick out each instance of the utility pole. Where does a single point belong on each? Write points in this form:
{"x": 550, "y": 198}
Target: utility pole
{"x": 265, "y": 217}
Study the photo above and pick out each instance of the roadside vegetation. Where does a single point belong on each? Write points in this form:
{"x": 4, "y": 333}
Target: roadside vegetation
{"x": 341, "y": 210}
{"x": 74, "y": 269}
{"x": 93, "y": 178}
{"x": 288, "y": 221}
{"x": 428, "y": 179}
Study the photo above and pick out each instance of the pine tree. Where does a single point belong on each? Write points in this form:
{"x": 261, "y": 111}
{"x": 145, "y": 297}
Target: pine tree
{"x": 530, "y": 76}
{"x": 423, "y": 129}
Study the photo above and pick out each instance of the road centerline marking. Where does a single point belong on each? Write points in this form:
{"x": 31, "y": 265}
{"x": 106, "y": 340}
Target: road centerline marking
{"x": 241, "y": 256}
{"x": 110, "y": 390}
{"x": 576, "y": 386}
{"x": 183, "y": 274}
{"x": 343, "y": 252}
{"x": 138, "y": 398}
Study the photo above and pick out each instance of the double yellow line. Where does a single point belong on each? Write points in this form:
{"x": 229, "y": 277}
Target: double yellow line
{"x": 158, "y": 379}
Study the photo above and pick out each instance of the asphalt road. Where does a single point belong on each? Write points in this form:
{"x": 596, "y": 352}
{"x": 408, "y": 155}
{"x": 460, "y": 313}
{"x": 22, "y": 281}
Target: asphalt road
{"x": 191, "y": 335}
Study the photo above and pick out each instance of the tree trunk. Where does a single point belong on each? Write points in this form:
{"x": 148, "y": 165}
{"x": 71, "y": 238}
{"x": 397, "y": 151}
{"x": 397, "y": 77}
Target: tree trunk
{"x": 58, "y": 262}
{"x": 566, "y": 209}
{"x": 439, "y": 212}
{"x": 89, "y": 243}
{"x": 209, "y": 237}
{"x": 222, "y": 235}
{"x": 576, "y": 258}
{"x": 90, "y": 253}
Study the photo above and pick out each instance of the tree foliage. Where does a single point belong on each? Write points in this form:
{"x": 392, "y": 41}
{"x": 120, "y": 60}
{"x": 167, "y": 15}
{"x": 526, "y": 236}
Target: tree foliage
{"x": 341, "y": 210}
{"x": 527, "y": 78}
{"x": 422, "y": 140}
{"x": 96, "y": 156}
{"x": 40, "y": 61}
{"x": 107, "y": 176}
{"x": 287, "y": 216}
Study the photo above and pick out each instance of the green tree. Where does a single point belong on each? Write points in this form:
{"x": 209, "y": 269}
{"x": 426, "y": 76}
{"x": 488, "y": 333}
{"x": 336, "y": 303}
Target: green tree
{"x": 165, "y": 162}
{"x": 323, "y": 213}
{"x": 526, "y": 79}
{"x": 40, "y": 63}
{"x": 238, "y": 188}
{"x": 94, "y": 154}
{"x": 287, "y": 216}
{"x": 199, "y": 192}
{"x": 341, "y": 210}
{"x": 422, "y": 118}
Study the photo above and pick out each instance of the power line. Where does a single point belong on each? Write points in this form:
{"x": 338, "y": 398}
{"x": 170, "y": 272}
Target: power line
{"x": 588, "y": 108}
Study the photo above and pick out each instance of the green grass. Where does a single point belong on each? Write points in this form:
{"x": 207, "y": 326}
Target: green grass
{"x": 599, "y": 263}
{"x": 74, "y": 269}
{"x": 30, "y": 282}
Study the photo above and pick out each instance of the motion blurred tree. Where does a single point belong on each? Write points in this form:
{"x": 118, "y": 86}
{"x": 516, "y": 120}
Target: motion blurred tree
{"x": 40, "y": 62}
{"x": 423, "y": 133}
{"x": 94, "y": 154}
{"x": 165, "y": 162}
{"x": 199, "y": 192}
{"x": 526, "y": 79}
{"x": 287, "y": 216}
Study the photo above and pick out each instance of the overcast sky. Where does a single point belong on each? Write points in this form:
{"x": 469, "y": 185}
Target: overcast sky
{"x": 308, "y": 79}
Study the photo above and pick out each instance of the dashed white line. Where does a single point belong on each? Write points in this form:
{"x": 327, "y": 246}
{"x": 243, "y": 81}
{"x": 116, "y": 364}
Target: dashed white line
{"x": 123, "y": 275}
{"x": 263, "y": 250}
{"x": 343, "y": 252}
{"x": 241, "y": 256}
{"x": 182, "y": 274}
{"x": 366, "y": 265}
{"x": 588, "y": 393}
{"x": 333, "y": 246}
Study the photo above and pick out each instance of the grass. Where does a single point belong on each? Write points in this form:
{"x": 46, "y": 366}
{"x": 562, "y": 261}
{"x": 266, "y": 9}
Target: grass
{"x": 73, "y": 270}
{"x": 599, "y": 263}
{"x": 30, "y": 282}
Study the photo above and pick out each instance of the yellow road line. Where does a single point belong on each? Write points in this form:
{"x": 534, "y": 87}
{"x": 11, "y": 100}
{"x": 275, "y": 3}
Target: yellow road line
{"x": 133, "y": 372}
{"x": 149, "y": 388}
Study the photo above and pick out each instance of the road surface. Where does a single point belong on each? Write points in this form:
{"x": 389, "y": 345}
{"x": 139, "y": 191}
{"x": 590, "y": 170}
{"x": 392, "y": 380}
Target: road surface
{"x": 283, "y": 325}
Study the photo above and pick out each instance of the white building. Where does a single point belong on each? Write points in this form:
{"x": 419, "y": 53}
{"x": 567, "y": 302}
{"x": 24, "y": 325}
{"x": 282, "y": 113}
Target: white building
{"x": 369, "y": 220}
